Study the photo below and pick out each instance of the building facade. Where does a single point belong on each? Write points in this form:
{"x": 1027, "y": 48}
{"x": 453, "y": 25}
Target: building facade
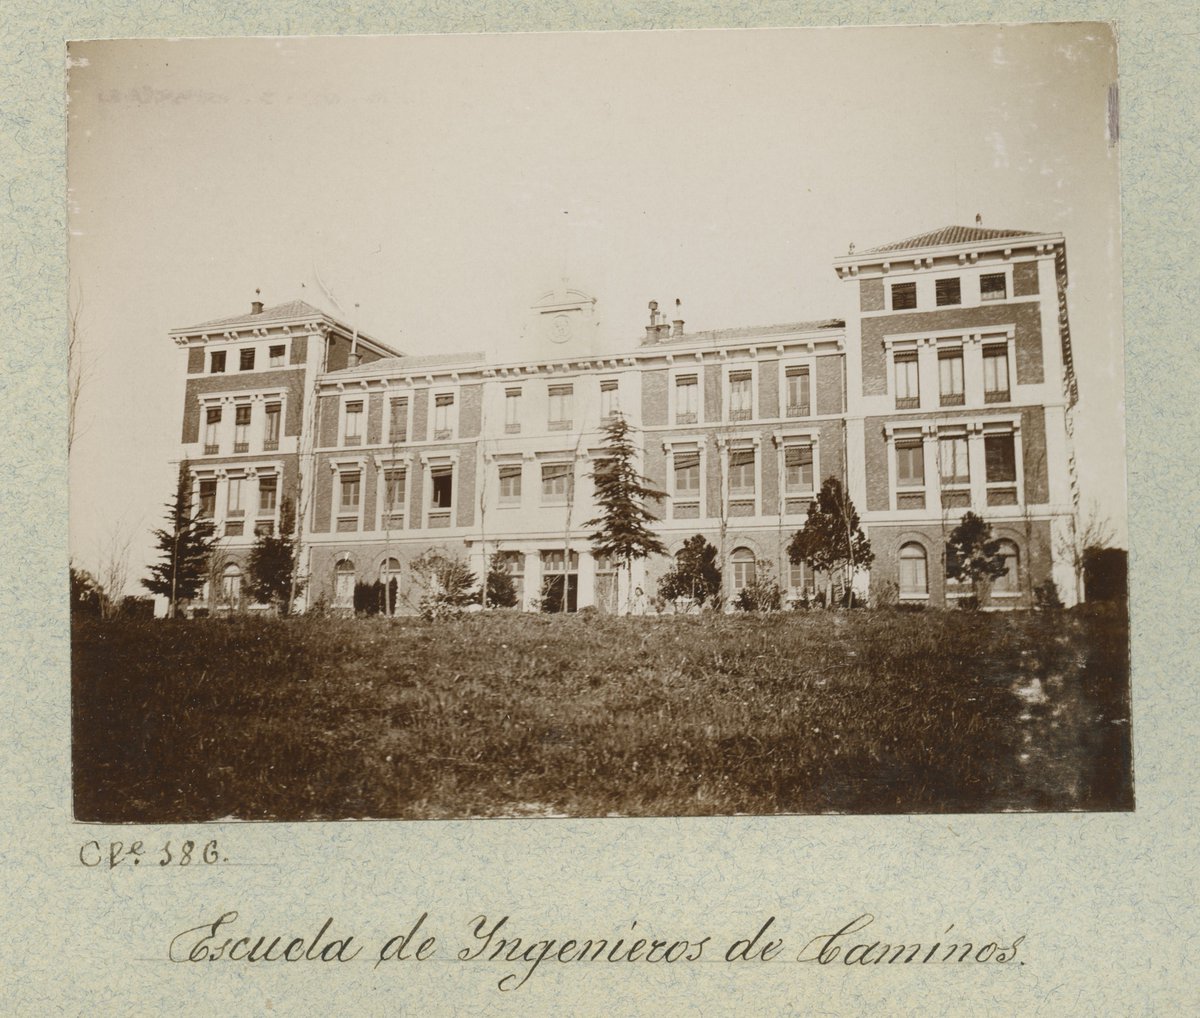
{"x": 946, "y": 385}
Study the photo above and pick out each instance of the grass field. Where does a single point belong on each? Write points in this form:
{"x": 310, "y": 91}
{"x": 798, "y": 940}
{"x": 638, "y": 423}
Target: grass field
{"x": 505, "y": 714}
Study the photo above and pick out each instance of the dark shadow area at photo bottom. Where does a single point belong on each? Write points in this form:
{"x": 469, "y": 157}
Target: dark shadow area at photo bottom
{"x": 529, "y": 717}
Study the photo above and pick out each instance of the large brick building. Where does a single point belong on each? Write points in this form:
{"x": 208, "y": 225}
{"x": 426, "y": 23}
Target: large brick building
{"x": 946, "y": 384}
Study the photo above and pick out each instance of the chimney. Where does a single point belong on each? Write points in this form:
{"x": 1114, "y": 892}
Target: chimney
{"x": 355, "y": 359}
{"x": 653, "y": 328}
{"x": 978, "y": 218}
{"x": 677, "y": 321}
{"x": 256, "y": 305}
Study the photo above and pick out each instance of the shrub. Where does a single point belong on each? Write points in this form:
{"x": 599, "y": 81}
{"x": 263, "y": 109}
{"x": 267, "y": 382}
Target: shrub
{"x": 1045, "y": 596}
{"x": 763, "y": 594}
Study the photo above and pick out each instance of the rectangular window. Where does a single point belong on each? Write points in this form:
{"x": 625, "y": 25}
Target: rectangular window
{"x": 952, "y": 459}
{"x": 560, "y": 407}
{"x": 212, "y": 424}
{"x": 908, "y": 387}
{"x": 950, "y": 376}
{"x": 512, "y": 411}
{"x": 741, "y": 397}
{"x": 443, "y": 415}
{"x": 354, "y": 419}
{"x": 273, "y": 414}
{"x": 904, "y": 296}
{"x": 687, "y": 474}
{"x": 351, "y": 492}
{"x": 993, "y": 286}
{"x": 241, "y": 428}
{"x": 798, "y": 392}
{"x": 398, "y": 422}
{"x": 1000, "y": 459}
{"x": 510, "y": 484}
{"x": 514, "y": 565}
{"x": 800, "y": 578}
{"x": 442, "y": 487}
{"x": 947, "y": 292}
{"x": 741, "y": 472}
{"x": 798, "y": 467}
{"x": 995, "y": 373}
{"x": 208, "y": 498}
{"x": 393, "y": 491}
{"x": 687, "y": 399}
{"x": 910, "y": 463}
{"x": 216, "y": 362}
{"x": 246, "y": 359}
{"x": 556, "y": 480}
{"x": 609, "y": 397}
{"x": 234, "y": 505}
{"x": 268, "y": 492}
{"x": 276, "y": 355}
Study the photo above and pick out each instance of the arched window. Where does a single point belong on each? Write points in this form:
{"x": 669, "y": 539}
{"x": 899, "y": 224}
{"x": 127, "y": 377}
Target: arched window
{"x": 1009, "y": 581}
{"x": 343, "y": 582}
{"x": 389, "y": 576}
{"x": 742, "y": 561}
{"x": 231, "y": 585}
{"x": 914, "y": 577}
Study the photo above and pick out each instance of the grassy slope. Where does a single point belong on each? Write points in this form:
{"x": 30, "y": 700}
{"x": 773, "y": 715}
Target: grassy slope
{"x": 858, "y": 712}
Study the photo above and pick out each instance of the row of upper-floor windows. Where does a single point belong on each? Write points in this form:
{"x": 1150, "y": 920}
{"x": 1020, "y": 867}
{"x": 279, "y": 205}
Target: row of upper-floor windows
{"x": 990, "y": 377}
{"x": 948, "y": 291}
{"x": 247, "y": 358}
{"x": 961, "y": 462}
{"x": 220, "y": 438}
{"x": 239, "y": 504}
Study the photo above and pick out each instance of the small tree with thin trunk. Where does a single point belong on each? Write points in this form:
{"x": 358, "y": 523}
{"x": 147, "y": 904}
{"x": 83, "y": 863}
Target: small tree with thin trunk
{"x": 695, "y": 575}
{"x": 832, "y": 538}
{"x": 972, "y": 553}
{"x": 272, "y": 563}
{"x": 623, "y": 526}
{"x": 501, "y": 591}
{"x": 186, "y": 544}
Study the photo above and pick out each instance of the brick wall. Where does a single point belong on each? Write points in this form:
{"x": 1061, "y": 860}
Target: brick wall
{"x": 322, "y": 495}
{"x": 1033, "y": 455}
{"x": 470, "y": 411}
{"x": 769, "y": 498}
{"x": 299, "y": 350}
{"x": 195, "y": 363}
{"x": 420, "y": 412}
{"x": 768, "y": 388}
{"x": 654, "y": 398}
{"x": 875, "y": 452}
{"x": 1025, "y": 279}
{"x": 829, "y": 385}
{"x": 1026, "y": 317}
{"x": 465, "y": 473}
{"x": 870, "y": 294}
{"x": 375, "y": 418}
{"x": 712, "y": 467}
{"x": 712, "y": 391}
{"x": 328, "y": 409}
{"x": 654, "y": 466}
{"x": 416, "y": 505}
{"x": 291, "y": 382}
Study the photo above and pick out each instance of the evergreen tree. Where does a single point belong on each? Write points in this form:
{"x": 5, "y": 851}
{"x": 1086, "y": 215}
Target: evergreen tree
{"x": 186, "y": 545}
{"x": 273, "y": 561}
{"x": 623, "y": 527}
{"x": 501, "y": 591}
{"x": 832, "y": 538}
{"x": 973, "y": 554}
{"x": 695, "y": 574}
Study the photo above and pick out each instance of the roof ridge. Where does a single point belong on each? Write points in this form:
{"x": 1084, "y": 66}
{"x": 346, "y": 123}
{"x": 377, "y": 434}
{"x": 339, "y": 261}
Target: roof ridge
{"x": 951, "y": 234}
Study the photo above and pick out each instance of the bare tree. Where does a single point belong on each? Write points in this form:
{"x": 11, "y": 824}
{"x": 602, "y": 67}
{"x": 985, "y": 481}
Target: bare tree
{"x": 1093, "y": 530}
{"x": 113, "y": 574}
{"x": 78, "y": 368}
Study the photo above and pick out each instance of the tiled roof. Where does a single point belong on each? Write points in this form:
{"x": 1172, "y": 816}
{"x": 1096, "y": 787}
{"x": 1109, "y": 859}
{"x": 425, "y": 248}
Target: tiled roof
{"x": 949, "y": 235}
{"x": 406, "y": 365}
{"x": 280, "y": 312}
{"x": 752, "y": 331}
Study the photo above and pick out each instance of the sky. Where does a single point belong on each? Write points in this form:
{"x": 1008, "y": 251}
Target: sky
{"x": 443, "y": 183}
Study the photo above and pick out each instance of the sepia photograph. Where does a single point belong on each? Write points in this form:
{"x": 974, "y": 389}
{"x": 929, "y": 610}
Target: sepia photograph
{"x": 626, "y": 424}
